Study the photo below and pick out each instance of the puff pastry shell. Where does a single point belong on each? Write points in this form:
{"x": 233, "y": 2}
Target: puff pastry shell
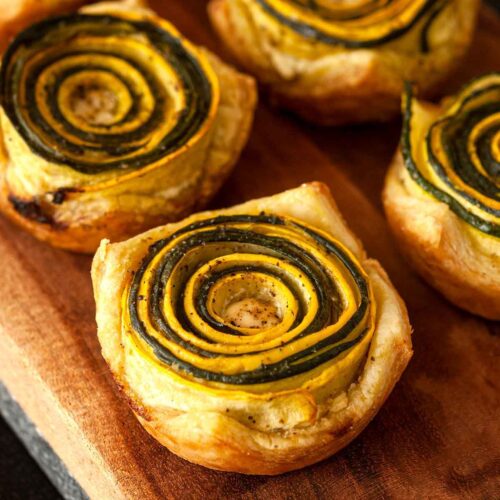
{"x": 259, "y": 412}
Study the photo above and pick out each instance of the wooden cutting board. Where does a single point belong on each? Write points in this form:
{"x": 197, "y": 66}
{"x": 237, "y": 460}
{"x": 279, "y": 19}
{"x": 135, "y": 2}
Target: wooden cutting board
{"x": 438, "y": 434}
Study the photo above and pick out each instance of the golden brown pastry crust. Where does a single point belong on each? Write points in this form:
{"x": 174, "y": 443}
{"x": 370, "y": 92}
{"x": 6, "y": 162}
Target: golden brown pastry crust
{"x": 442, "y": 247}
{"x": 83, "y": 219}
{"x": 349, "y": 86}
{"x": 229, "y": 442}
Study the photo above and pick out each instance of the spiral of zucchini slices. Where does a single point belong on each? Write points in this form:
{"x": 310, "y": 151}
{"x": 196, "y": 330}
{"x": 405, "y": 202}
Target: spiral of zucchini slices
{"x": 256, "y": 339}
{"x": 442, "y": 193}
{"x": 345, "y": 61}
{"x": 112, "y": 123}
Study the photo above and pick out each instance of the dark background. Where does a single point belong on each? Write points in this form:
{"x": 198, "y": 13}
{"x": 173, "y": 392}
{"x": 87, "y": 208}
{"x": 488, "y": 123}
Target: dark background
{"x": 20, "y": 476}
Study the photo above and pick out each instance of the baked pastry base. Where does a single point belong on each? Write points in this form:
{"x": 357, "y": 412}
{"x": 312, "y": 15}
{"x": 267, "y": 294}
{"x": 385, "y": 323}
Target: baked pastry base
{"x": 224, "y": 442}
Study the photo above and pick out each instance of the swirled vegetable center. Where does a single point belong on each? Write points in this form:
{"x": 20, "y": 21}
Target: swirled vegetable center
{"x": 102, "y": 92}
{"x": 456, "y": 157}
{"x": 310, "y": 301}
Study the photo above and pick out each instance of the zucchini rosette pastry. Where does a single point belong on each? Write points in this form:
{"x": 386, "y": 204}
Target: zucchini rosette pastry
{"x": 345, "y": 61}
{"x": 257, "y": 339}
{"x": 113, "y": 123}
{"x": 442, "y": 194}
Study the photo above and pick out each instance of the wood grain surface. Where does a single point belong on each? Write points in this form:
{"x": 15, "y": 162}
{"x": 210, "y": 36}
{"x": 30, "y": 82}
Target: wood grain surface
{"x": 436, "y": 437}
